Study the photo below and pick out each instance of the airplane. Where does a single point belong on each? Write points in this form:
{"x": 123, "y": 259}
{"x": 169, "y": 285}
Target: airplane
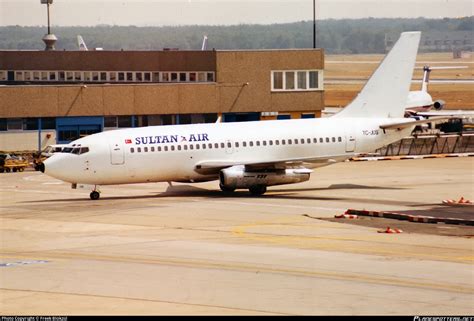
{"x": 204, "y": 43}
{"x": 248, "y": 155}
{"x": 420, "y": 103}
{"x": 82, "y": 45}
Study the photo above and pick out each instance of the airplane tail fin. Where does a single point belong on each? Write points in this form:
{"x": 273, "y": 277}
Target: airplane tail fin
{"x": 204, "y": 43}
{"x": 386, "y": 92}
{"x": 81, "y": 43}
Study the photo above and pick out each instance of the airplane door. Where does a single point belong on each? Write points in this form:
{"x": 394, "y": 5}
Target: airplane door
{"x": 350, "y": 143}
{"x": 117, "y": 153}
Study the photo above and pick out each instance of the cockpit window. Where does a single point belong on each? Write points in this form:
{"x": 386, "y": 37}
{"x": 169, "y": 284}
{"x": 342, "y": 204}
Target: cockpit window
{"x": 75, "y": 150}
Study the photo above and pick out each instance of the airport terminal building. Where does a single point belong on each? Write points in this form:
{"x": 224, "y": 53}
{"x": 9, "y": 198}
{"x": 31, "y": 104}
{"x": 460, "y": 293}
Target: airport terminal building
{"x": 49, "y": 97}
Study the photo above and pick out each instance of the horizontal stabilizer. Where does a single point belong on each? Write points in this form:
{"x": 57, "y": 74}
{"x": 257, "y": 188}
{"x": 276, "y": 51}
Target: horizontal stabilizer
{"x": 406, "y": 124}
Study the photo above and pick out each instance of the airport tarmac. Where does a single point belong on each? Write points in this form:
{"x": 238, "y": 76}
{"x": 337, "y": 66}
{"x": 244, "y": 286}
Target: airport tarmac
{"x": 192, "y": 250}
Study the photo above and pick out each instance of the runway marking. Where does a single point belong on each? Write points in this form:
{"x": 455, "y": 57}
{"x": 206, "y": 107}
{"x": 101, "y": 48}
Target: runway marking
{"x": 282, "y": 205}
{"x": 316, "y": 242}
{"x": 261, "y": 268}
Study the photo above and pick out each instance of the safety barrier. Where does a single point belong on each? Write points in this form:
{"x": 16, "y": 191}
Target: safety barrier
{"x": 411, "y": 218}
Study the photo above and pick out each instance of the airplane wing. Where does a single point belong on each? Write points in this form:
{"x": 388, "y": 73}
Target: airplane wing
{"x": 303, "y": 164}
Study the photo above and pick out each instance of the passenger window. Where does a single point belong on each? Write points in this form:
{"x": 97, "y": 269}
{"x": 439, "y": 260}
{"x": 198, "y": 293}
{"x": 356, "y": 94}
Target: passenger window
{"x": 172, "y": 147}
{"x": 244, "y": 144}
{"x": 185, "y": 147}
{"x": 277, "y": 142}
{"x": 132, "y": 150}
{"x": 321, "y": 140}
{"x": 222, "y": 145}
{"x": 165, "y": 148}
{"x": 270, "y": 142}
{"x": 197, "y": 146}
{"x": 302, "y": 140}
{"x": 203, "y": 146}
{"x": 283, "y": 142}
{"x": 251, "y": 144}
{"x": 152, "y": 149}
{"x": 191, "y": 146}
{"x": 295, "y": 141}
{"x": 315, "y": 140}
{"x": 159, "y": 148}
{"x": 216, "y": 145}
{"x": 339, "y": 139}
{"x": 145, "y": 149}
{"x": 264, "y": 143}
{"x": 327, "y": 139}
{"x": 179, "y": 147}
{"x": 236, "y": 144}
{"x": 308, "y": 140}
{"x": 258, "y": 143}
{"x": 229, "y": 144}
{"x": 209, "y": 145}
{"x": 334, "y": 139}
{"x": 139, "y": 149}
{"x": 289, "y": 142}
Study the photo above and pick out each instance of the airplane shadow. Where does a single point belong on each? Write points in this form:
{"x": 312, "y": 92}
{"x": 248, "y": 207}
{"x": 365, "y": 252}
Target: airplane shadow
{"x": 289, "y": 194}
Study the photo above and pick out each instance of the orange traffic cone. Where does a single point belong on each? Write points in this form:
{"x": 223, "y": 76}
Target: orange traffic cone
{"x": 390, "y": 230}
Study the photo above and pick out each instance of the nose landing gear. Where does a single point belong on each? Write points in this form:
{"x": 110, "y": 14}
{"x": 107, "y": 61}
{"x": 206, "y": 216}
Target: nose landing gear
{"x": 95, "y": 194}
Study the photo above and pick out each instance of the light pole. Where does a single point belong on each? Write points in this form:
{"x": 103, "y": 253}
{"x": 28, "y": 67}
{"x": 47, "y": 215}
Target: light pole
{"x": 314, "y": 23}
{"x": 49, "y": 39}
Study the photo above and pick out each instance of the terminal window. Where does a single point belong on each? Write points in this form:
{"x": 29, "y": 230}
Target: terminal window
{"x": 296, "y": 80}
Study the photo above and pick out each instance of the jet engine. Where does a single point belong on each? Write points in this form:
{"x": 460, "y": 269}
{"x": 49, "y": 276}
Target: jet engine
{"x": 439, "y": 104}
{"x": 256, "y": 181}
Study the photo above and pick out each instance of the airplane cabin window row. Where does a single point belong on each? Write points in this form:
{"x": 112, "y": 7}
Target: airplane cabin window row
{"x": 277, "y": 142}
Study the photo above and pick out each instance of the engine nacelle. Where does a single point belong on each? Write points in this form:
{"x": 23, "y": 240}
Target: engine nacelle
{"x": 237, "y": 177}
{"x": 439, "y": 104}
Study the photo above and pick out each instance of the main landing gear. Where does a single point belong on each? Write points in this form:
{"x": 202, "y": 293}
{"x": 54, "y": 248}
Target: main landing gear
{"x": 95, "y": 194}
{"x": 258, "y": 189}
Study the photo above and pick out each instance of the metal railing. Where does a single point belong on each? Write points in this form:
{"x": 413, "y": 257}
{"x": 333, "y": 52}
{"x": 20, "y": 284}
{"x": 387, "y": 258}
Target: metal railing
{"x": 430, "y": 144}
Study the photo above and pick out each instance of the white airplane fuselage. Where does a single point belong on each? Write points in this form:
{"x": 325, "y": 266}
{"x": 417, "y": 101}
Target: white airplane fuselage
{"x": 138, "y": 155}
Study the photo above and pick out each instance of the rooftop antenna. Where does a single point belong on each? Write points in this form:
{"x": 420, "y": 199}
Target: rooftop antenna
{"x": 49, "y": 39}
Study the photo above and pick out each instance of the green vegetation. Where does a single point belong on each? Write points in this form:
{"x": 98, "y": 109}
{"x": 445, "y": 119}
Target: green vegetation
{"x": 335, "y": 36}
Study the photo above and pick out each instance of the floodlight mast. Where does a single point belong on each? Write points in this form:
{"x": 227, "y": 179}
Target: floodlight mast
{"x": 49, "y": 39}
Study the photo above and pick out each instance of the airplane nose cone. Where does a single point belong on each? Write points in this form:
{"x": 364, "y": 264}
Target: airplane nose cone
{"x": 56, "y": 167}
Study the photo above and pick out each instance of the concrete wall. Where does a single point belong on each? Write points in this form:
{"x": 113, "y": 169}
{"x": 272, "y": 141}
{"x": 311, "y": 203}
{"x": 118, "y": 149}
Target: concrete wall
{"x": 15, "y": 141}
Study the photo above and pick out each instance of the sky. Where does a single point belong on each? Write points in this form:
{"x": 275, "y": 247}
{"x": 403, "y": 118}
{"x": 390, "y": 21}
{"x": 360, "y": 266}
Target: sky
{"x": 218, "y": 12}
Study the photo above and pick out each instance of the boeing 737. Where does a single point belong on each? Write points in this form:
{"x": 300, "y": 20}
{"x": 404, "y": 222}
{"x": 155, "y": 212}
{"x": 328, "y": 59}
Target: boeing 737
{"x": 248, "y": 155}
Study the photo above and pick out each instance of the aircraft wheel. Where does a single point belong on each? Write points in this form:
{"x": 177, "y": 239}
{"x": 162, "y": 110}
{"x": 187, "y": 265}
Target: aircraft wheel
{"x": 94, "y": 195}
{"x": 226, "y": 189}
{"x": 258, "y": 189}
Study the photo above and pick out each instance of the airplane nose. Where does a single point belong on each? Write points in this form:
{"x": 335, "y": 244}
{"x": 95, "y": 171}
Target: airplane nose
{"x": 54, "y": 166}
